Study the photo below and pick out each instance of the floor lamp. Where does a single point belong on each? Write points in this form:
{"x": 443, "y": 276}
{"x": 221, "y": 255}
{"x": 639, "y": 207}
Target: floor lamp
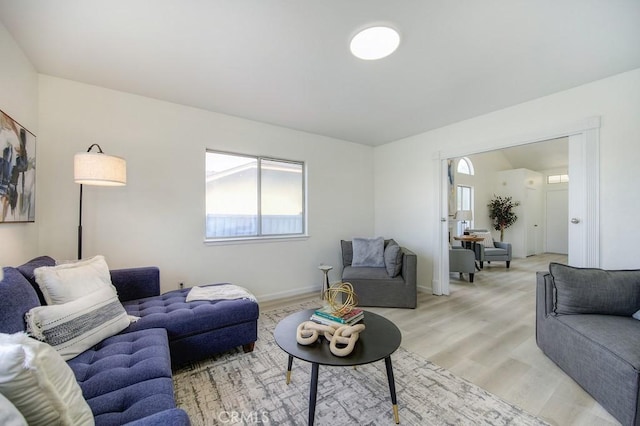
{"x": 96, "y": 168}
{"x": 463, "y": 216}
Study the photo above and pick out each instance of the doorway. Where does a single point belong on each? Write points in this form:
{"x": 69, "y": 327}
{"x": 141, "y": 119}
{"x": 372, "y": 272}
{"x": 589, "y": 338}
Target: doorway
{"x": 583, "y": 195}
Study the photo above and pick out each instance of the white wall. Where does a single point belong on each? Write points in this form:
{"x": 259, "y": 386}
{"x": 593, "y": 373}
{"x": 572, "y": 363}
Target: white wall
{"x": 486, "y": 165}
{"x": 406, "y": 192}
{"x": 158, "y": 218}
{"x": 523, "y": 186}
{"x": 19, "y": 89}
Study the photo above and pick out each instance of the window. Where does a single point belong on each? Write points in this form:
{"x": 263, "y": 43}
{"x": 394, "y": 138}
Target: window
{"x": 464, "y": 197}
{"x": 249, "y": 197}
{"x": 551, "y": 179}
{"x": 465, "y": 166}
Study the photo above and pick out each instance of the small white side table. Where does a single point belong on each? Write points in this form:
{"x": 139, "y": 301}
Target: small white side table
{"x": 325, "y": 282}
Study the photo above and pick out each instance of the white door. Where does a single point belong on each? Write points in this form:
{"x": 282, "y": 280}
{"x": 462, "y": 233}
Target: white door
{"x": 557, "y": 222}
{"x": 584, "y": 197}
{"x": 534, "y": 226}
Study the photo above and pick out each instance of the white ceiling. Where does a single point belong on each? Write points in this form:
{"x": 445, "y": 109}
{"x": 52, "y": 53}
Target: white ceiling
{"x": 545, "y": 155}
{"x": 288, "y": 62}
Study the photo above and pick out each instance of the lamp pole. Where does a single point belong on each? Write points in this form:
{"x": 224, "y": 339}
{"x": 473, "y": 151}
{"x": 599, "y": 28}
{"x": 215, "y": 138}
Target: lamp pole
{"x": 80, "y": 227}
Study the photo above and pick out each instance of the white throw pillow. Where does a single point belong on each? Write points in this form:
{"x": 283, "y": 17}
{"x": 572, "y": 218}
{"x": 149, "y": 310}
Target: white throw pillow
{"x": 9, "y": 414}
{"x": 40, "y": 384}
{"x": 488, "y": 239}
{"x": 74, "y": 327}
{"x": 70, "y": 281}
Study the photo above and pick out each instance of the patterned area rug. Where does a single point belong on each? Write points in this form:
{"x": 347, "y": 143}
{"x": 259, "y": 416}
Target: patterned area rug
{"x": 239, "y": 388}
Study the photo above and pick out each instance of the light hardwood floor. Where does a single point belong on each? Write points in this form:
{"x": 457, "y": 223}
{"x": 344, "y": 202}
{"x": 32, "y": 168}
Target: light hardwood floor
{"x": 484, "y": 332}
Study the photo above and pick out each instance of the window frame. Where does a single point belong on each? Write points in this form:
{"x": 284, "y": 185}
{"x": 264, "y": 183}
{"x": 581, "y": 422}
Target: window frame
{"x": 460, "y": 189}
{"x": 259, "y": 235}
{"x": 557, "y": 179}
{"x": 468, "y": 163}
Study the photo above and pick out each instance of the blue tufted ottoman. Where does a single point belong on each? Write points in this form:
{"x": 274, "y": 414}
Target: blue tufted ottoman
{"x": 197, "y": 329}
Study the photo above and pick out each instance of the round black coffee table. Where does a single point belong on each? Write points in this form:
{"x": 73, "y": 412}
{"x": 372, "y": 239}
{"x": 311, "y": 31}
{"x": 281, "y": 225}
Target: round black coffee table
{"x": 378, "y": 341}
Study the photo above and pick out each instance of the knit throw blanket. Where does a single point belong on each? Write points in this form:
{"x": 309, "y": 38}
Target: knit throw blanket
{"x": 219, "y": 292}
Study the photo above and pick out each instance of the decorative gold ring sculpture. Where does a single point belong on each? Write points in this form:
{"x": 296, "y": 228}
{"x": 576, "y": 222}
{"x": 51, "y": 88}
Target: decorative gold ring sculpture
{"x": 332, "y": 296}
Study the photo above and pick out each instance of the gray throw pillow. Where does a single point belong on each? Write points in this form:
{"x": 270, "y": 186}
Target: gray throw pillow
{"x": 393, "y": 259}
{"x": 595, "y": 291}
{"x": 368, "y": 252}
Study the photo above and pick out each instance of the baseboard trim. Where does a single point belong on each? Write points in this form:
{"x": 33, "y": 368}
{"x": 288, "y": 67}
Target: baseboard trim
{"x": 289, "y": 293}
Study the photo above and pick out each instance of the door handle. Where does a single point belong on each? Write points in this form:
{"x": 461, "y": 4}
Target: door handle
{"x": 575, "y": 220}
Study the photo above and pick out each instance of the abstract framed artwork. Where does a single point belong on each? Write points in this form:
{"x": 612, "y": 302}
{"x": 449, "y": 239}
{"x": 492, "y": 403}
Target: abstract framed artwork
{"x": 17, "y": 172}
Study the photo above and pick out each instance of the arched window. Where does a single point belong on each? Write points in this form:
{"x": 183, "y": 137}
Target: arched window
{"x": 465, "y": 166}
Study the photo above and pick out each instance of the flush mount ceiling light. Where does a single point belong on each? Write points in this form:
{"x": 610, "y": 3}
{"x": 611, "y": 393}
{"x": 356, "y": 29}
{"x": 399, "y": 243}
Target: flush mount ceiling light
{"x": 375, "y": 43}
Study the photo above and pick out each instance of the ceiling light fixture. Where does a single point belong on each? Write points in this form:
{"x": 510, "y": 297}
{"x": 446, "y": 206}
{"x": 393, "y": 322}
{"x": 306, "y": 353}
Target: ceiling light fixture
{"x": 375, "y": 43}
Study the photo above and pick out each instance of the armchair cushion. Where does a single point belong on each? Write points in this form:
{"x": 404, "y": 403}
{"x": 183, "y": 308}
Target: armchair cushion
{"x": 352, "y": 273}
{"x": 368, "y": 252}
{"x": 393, "y": 259}
{"x": 487, "y": 239}
{"x": 595, "y": 291}
{"x": 499, "y": 251}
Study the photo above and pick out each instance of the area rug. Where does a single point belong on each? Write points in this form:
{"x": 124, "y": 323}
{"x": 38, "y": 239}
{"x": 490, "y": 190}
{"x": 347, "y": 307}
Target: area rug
{"x": 238, "y": 388}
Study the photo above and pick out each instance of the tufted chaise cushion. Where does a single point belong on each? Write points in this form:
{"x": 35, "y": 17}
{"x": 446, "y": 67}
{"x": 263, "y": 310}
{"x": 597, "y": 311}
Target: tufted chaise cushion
{"x": 126, "y": 377}
{"x": 182, "y": 319}
{"x": 197, "y": 329}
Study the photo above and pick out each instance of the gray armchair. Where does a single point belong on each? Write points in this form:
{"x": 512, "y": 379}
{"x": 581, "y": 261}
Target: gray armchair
{"x": 463, "y": 261}
{"x": 374, "y": 286}
{"x": 499, "y": 252}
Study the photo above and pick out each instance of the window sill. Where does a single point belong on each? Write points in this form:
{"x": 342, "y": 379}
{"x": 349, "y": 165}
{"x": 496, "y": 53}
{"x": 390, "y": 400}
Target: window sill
{"x": 254, "y": 240}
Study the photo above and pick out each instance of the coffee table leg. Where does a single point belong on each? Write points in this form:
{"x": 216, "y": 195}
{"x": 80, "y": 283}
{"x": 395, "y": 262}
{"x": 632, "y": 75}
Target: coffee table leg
{"x": 313, "y": 391}
{"x": 289, "y": 365}
{"x": 392, "y": 389}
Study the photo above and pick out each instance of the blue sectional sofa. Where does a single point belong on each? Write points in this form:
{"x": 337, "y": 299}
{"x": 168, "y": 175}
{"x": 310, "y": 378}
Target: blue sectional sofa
{"x": 126, "y": 378}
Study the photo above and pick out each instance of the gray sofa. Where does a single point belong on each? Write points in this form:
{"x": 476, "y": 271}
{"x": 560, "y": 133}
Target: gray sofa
{"x": 374, "y": 286}
{"x": 585, "y": 324}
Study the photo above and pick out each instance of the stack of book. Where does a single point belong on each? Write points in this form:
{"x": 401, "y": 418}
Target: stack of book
{"x": 325, "y": 316}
